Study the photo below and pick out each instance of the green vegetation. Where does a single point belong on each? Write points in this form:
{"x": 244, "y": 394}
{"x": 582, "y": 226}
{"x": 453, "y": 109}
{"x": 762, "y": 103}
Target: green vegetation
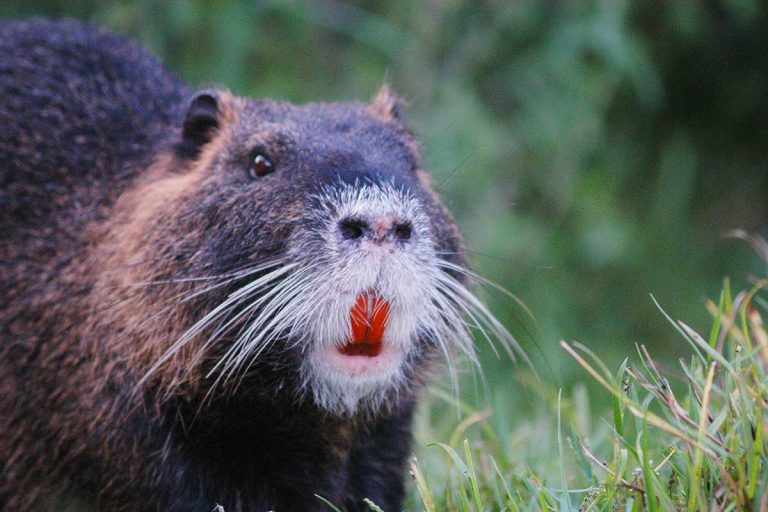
{"x": 690, "y": 438}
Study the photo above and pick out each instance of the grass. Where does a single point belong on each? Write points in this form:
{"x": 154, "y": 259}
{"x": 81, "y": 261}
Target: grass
{"x": 691, "y": 438}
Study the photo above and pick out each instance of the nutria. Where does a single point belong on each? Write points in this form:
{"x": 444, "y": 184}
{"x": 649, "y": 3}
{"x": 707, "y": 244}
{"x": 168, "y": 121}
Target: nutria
{"x": 208, "y": 299}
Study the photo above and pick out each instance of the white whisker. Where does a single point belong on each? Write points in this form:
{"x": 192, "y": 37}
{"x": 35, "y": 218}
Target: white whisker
{"x": 481, "y": 312}
{"x": 308, "y": 305}
{"x": 219, "y": 311}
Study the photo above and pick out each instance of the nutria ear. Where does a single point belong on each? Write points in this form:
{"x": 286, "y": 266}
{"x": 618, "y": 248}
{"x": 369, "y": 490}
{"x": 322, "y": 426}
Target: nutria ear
{"x": 206, "y": 114}
{"x": 386, "y": 105}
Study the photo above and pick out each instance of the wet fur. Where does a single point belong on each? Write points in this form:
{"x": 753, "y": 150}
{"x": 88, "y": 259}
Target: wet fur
{"x": 111, "y": 230}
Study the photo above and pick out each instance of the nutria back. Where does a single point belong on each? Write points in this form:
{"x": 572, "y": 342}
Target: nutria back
{"x": 82, "y": 112}
{"x": 81, "y": 107}
{"x": 209, "y": 299}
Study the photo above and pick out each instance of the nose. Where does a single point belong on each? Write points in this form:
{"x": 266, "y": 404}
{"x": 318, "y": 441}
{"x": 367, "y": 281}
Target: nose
{"x": 379, "y": 230}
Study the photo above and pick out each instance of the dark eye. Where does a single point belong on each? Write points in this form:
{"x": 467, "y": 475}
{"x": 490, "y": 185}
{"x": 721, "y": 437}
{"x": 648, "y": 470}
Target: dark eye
{"x": 260, "y": 166}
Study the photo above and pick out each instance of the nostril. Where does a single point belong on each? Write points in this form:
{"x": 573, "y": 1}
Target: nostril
{"x": 403, "y": 231}
{"x": 352, "y": 229}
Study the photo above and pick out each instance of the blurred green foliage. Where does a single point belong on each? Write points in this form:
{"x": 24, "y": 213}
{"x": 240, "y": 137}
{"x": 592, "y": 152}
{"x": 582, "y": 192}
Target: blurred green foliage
{"x": 594, "y": 152}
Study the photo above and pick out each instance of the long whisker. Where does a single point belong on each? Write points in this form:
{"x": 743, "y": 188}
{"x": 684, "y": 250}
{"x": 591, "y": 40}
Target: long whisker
{"x": 231, "y": 263}
{"x": 187, "y": 296}
{"x": 478, "y": 312}
{"x": 258, "y": 335}
{"x": 222, "y": 309}
{"x": 283, "y": 301}
{"x": 496, "y": 287}
{"x": 489, "y": 320}
{"x": 275, "y": 299}
{"x": 480, "y": 279}
{"x": 448, "y": 287}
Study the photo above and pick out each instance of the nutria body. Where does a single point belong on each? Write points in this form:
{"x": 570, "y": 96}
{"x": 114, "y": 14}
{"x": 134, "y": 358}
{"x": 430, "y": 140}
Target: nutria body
{"x": 180, "y": 275}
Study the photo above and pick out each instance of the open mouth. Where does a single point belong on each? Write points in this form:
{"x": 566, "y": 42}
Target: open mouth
{"x": 368, "y": 318}
{"x": 365, "y": 356}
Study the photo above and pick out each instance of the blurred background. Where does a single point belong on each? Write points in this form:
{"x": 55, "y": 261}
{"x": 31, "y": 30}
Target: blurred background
{"x": 593, "y": 152}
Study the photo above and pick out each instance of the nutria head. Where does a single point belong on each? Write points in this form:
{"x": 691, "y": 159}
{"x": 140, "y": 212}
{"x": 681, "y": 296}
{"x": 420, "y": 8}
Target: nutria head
{"x": 289, "y": 251}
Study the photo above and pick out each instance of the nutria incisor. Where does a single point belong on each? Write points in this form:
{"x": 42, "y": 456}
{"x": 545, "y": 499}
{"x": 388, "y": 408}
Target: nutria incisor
{"x": 209, "y": 299}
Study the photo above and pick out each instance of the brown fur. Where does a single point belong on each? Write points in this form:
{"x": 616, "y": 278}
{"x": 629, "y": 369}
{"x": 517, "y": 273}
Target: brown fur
{"x": 125, "y": 242}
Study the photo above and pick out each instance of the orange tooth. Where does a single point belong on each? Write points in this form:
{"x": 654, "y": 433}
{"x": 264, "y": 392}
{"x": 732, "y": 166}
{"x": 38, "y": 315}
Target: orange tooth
{"x": 359, "y": 318}
{"x": 378, "y": 319}
{"x": 368, "y": 318}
